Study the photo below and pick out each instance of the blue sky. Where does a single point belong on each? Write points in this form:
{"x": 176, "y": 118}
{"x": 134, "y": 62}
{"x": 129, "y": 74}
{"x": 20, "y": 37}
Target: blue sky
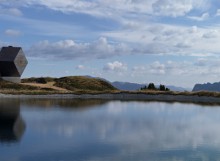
{"x": 173, "y": 42}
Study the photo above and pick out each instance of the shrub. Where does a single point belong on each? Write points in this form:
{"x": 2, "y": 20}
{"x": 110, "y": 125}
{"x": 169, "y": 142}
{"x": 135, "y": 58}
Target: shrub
{"x": 151, "y": 86}
{"x": 162, "y": 87}
{"x": 41, "y": 80}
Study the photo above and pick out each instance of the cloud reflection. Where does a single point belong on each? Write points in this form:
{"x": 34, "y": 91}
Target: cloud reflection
{"x": 136, "y": 129}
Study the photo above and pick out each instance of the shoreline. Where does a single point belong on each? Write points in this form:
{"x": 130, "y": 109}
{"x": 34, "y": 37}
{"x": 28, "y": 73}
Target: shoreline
{"x": 124, "y": 96}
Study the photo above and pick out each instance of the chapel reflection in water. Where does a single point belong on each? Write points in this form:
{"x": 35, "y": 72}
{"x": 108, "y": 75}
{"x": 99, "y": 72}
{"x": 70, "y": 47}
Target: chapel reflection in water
{"x": 12, "y": 126}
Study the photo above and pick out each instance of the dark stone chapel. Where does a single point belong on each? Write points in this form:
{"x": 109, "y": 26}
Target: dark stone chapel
{"x": 12, "y": 63}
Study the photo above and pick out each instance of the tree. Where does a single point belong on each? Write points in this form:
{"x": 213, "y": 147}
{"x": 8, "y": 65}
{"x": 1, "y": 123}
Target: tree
{"x": 151, "y": 86}
{"x": 144, "y": 88}
{"x": 162, "y": 87}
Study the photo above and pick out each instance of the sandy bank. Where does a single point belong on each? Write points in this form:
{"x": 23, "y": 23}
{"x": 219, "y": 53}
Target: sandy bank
{"x": 124, "y": 96}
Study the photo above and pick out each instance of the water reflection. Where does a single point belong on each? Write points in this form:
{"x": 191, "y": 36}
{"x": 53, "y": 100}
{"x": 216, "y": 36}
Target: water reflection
{"x": 116, "y": 130}
{"x": 64, "y": 103}
{"x": 132, "y": 131}
{"x": 12, "y": 125}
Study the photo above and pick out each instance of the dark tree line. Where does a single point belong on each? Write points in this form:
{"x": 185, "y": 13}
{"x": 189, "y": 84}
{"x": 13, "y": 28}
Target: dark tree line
{"x": 151, "y": 86}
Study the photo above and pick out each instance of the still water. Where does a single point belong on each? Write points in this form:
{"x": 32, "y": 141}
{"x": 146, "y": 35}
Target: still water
{"x": 97, "y": 130}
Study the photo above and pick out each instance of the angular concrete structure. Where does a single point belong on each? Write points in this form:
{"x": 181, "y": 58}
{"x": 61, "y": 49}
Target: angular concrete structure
{"x": 12, "y": 63}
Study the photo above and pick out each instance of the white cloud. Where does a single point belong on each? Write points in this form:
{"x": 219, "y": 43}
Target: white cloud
{"x": 157, "y": 38}
{"x": 15, "y": 12}
{"x": 11, "y": 11}
{"x": 211, "y": 34}
{"x": 80, "y": 67}
{"x": 172, "y": 68}
{"x": 163, "y": 40}
{"x": 69, "y": 49}
{"x": 12, "y": 32}
{"x": 121, "y": 7}
{"x": 157, "y": 68}
{"x": 172, "y": 8}
{"x": 135, "y": 28}
{"x": 115, "y": 66}
{"x": 203, "y": 17}
{"x": 218, "y": 12}
{"x": 201, "y": 62}
{"x": 174, "y": 72}
{"x": 177, "y": 8}
{"x": 183, "y": 45}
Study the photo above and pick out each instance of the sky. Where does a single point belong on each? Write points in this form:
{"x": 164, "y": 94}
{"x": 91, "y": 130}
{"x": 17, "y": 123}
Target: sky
{"x": 171, "y": 42}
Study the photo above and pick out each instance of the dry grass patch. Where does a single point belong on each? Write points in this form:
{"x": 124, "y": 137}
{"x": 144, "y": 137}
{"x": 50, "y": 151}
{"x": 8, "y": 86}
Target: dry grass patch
{"x": 49, "y": 85}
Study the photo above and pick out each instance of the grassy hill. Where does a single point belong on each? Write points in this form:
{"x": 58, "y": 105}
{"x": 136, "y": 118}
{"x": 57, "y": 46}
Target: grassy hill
{"x": 70, "y": 84}
{"x": 83, "y": 83}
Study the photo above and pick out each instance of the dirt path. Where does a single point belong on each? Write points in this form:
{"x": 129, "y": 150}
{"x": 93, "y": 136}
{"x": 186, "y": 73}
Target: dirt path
{"x": 48, "y": 85}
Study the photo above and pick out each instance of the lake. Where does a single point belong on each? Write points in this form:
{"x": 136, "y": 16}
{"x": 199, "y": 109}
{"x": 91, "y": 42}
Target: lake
{"x": 99, "y": 130}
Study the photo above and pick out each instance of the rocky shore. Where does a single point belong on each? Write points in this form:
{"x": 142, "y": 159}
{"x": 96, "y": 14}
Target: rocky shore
{"x": 124, "y": 96}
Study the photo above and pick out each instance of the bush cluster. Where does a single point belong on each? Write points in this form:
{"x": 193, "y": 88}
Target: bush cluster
{"x": 151, "y": 86}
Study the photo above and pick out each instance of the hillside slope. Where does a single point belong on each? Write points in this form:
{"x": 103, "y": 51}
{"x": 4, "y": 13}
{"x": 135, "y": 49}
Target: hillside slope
{"x": 71, "y": 83}
{"x": 83, "y": 83}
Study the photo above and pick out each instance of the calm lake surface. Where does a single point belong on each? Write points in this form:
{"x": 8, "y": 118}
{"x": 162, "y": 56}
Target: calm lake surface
{"x": 98, "y": 130}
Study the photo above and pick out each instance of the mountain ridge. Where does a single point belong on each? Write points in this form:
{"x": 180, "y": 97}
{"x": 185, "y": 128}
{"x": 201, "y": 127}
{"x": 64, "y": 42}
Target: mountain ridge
{"x": 214, "y": 87}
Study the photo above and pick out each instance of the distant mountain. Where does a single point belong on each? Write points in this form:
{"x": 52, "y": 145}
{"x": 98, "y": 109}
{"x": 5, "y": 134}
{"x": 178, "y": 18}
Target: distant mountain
{"x": 215, "y": 87}
{"x": 180, "y": 89}
{"x": 135, "y": 86}
{"x": 127, "y": 86}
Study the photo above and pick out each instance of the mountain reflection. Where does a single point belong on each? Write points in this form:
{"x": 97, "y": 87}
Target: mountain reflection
{"x": 12, "y": 126}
